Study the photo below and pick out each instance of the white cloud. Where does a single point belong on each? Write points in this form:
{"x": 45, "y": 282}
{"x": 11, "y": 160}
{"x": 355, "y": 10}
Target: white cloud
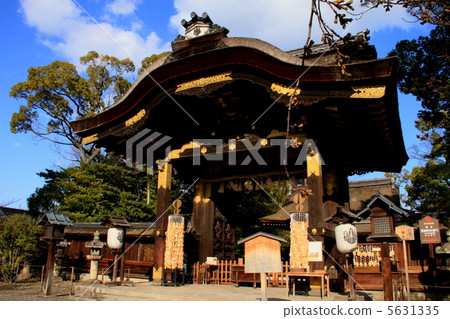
{"x": 71, "y": 33}
{"x": 122, "y": 7}
{"x": 280, "y": 22}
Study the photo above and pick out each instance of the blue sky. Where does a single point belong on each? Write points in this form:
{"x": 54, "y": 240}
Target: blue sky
{"x": 38, "y": 32}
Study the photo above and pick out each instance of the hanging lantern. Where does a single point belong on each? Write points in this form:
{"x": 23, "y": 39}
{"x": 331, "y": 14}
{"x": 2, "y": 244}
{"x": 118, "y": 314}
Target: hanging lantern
{"x": 346, "y": 238}
{"x": 173, "y": 256}
{"x": 115, "y": 238}
{"x": 299, "y": 241}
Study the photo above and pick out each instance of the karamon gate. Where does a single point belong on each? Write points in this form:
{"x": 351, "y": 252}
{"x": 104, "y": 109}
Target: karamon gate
{"x": 231, "y": 111}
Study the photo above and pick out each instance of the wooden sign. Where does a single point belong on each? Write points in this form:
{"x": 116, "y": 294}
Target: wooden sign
{"x": 429, "y": 230}
{"x": 212, "y": 261}
{"x": 262, "y": 253}
{"x": 315, "y": 251}
{"x": 405, "y": 232}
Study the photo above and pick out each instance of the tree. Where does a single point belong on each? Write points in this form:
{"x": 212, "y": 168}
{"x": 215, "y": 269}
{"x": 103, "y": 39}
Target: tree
{"x": 424, "y": 71}
{"x": 150, "y": 60}
{"x": 57, "y": 94}
{"x": 424, "y": 11}
{"x": 19, "y": 243}
{"x": 434, "y": 12}
{"x": 428, "y": 187}
{"x": 88, "y": 192}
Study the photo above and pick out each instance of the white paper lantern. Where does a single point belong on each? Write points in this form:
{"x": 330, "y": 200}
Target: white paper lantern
{"x": 346, "y": 238}
{"x": 115, "y": 238}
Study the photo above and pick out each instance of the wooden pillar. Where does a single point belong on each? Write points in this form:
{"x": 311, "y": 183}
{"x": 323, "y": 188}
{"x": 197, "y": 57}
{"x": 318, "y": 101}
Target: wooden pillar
{"x": 314, "y": 180}
{"x": 123, "y": 254}
{"x": 315, "y": 183}
{"x": 386, "y": 272}
{"x": 203, "y": 219}
{"x": 405, "y": 262}
{"x": 162, "y": 217}
{"x": 115, "y": 265}
{"x": 351, "y": 273}
{"x": 49, "y": 267}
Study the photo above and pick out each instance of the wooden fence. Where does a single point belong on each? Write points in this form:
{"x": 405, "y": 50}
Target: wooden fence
{"x": 222, "y": 273}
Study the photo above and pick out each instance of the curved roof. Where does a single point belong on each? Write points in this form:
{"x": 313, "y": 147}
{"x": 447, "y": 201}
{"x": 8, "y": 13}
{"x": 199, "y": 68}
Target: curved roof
{"x": 223, "y": 87}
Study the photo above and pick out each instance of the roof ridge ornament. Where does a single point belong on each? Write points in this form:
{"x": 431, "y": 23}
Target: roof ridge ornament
{"x": 199, "y": 26}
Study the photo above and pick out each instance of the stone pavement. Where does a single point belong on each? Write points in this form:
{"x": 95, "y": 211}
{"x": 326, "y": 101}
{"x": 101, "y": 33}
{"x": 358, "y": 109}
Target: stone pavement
{"x": 189, "y": 292}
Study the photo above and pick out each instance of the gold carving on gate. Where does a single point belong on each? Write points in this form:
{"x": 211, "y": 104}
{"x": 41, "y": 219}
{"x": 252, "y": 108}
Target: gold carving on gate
{"x": 315, "y": 96}
{"x": 284, "y": 90}
{"x": 368, "y": 92}
{"x": 89, "y": 139}
{"x": 202, "y": 82}
{"x": 136, "y": 118}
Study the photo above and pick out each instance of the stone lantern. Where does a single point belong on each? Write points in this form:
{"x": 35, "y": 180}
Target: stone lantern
{"x": 96, "y": 246}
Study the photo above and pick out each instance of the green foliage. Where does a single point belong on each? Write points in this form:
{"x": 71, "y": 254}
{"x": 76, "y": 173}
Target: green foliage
{"x": 429, "y": 188}
{"x": 150, "y": 60}
{"x": 90, "y": 191}
{"x": 19, "y": 243}
{"x": 424, "y": 71}
{"x": 56, "y": 94}
{"x": 106, "y": 79}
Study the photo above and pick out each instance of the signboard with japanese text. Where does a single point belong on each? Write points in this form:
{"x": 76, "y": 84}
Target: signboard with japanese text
{"x": 315, "y": 251}
{"x": 405, "y": 232}
{"x": 429, "y": 230}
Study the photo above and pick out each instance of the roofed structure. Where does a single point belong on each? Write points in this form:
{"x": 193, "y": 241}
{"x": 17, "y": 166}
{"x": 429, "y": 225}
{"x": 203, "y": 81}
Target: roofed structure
{"x": 212, "y": 86}
{"x": 58, "y": 219}
{"x": 221, "y": 109}
{"x": 8, "y": 211}
{"x": 380, "y": 200}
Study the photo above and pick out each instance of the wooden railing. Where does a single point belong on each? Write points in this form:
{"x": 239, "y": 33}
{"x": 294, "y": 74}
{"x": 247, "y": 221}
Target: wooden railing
{"x": 222, "y": 273}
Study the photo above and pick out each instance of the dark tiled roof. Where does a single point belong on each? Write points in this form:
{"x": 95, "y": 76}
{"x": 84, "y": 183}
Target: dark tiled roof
{"x": 7, "y": 211}
{"x": 56, "y": 219}
{"x": 386, "y": 201}
{"x": 371, "y": 182}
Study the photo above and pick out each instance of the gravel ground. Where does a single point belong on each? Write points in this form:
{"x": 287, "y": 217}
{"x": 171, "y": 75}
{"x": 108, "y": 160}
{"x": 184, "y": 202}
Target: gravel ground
{"x": 30, "y": 290}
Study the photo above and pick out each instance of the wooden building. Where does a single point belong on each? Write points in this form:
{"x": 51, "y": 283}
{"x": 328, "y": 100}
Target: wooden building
{"x": 139, "y": 243}
{"x": 239, "y": 94}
